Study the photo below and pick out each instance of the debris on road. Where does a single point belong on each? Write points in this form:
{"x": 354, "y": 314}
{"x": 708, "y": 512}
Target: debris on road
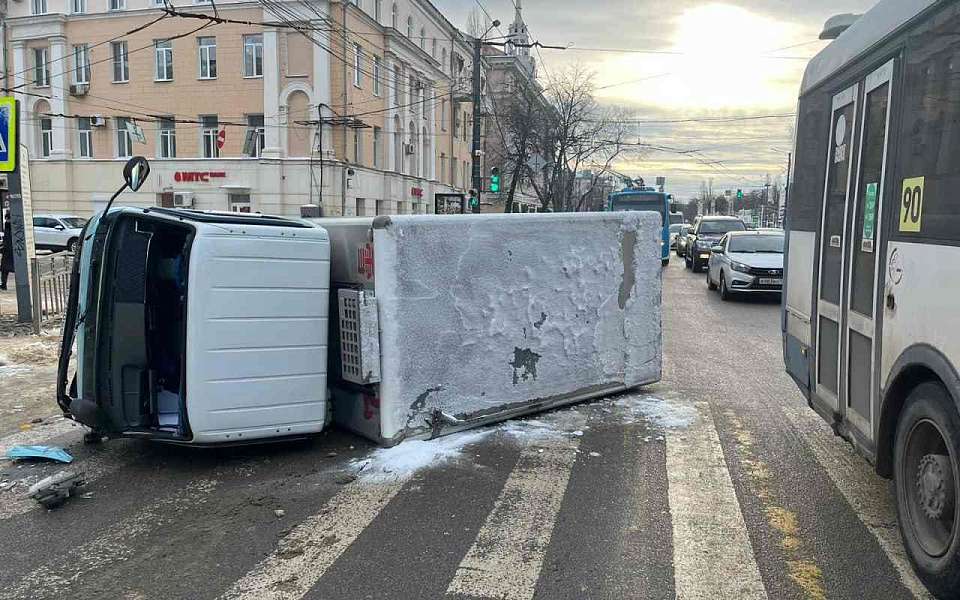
{"x": 53, "y": 453}
{"x": 280, "y": 513}
{"x": 345, "y": 478}
{"x": 53, "y": 491}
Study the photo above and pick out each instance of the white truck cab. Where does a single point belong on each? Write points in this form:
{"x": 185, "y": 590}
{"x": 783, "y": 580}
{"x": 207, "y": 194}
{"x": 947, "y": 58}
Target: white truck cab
{"x": 250, "y": 362}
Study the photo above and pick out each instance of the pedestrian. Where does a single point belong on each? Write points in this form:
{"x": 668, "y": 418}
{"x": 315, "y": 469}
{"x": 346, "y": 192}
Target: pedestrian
{"x": 6, "y": 255}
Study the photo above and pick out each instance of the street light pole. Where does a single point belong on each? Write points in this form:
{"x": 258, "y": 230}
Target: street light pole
{"x": 475, "y": 147}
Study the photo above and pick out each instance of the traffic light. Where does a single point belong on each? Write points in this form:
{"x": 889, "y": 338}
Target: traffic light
{"x": 739, "y": 194}
{"x": 474, "y": 201}
{"x": 495, "y": 180}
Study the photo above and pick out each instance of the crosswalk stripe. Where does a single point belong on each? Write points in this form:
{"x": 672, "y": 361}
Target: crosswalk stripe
{"x": 303, "y": 556}
{"x": 712, "y": 553}
{"x": 505, "y": 560}
{"x": 109, "y": 547}
{"x": 38, "y": 434}
{"x": 866, "y": 493}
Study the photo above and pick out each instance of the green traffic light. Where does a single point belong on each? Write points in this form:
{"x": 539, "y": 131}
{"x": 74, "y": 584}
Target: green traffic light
{"x": 495, "y": 180}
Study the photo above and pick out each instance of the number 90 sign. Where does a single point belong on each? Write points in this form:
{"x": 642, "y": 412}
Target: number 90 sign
{"x": 911, "y": 204}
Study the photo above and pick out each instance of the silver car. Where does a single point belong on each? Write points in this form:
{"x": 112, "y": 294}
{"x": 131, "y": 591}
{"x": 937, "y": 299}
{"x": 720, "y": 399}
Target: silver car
{"x": 57, "y": 232}
{"x": 746, "y": 262}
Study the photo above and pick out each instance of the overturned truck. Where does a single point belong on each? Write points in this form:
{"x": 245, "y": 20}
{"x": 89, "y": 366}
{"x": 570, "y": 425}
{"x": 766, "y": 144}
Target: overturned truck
{"x": 208, "y": 328}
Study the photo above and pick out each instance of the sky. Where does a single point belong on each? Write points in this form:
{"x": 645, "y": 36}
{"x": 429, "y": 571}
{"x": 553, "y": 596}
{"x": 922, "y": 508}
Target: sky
{"x": 676, "y": 60}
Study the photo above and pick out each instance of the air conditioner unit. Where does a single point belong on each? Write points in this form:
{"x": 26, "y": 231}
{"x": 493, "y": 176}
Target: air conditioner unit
{"x": 409, "y": 149}
{"x": 79, "y": 89}
{"x": 183, "y": 200}
{"x": 97, "y": 121}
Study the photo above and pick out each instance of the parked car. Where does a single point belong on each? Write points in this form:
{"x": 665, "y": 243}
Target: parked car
{"x": 57, "y": 232}
{"x": 746, "y": 261}
{"x": 681, "y": 244}
{"x": 706, "y": 232}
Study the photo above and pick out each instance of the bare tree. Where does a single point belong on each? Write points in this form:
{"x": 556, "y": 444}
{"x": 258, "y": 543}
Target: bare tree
{"x": 519, "y": 118}
{"x": 577, "y": 132}
{"x": 477, "y": 23}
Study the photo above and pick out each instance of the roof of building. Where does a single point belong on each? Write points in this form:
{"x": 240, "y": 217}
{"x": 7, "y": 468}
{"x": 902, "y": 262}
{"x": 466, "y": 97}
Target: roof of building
{"x": 881, "y": 21}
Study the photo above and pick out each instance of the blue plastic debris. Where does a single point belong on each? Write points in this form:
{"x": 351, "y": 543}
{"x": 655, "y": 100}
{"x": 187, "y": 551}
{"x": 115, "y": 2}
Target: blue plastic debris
{"x": 40, "y": 452}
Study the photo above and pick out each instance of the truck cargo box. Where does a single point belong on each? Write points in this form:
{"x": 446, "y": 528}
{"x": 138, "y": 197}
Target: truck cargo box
{"x": 445, "y": 322}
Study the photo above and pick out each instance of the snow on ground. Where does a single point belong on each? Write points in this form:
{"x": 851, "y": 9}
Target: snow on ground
{"x": 407, "y": 458}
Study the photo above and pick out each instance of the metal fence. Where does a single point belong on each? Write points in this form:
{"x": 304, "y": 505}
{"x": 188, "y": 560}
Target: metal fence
{"x": 51, "y": 286}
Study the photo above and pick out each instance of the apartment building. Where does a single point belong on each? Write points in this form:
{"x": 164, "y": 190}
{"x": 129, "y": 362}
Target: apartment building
{"x": 356, "y": 107}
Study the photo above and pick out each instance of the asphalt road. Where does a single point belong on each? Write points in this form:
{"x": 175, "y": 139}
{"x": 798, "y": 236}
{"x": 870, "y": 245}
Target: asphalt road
{"x": 717, "y": 482}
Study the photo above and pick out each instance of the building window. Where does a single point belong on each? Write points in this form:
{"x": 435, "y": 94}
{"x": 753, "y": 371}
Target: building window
{"x": 423, "y": 38}
{"x": 84, "y": 138}
{"x": 209, "y": 134}
{"x": 208, "y": 57}
{"x": 410, "y": 27}
{"x": 121, "y": 62}
{"x": 433, "y": 48}
{"x": 443, "y": 60}
{"x": 253, "y": 55}
{"x": 39, "y": 7}
{"x": 163, "y": 49}
{"x": 46, "y": 136}
{"x": 167, "y": 138}
{"x": 357, "y": 65}
{"x": 423, "y": 100}
{"x": 357, "y": 146}
{"x": 239, "y": 202}
{"x": 378, "y": 10}
{"x": 78, "y": 6}
{"x": 253, "y": 143}
{"x": 41, "y": 68}
{"x": 124, "y": 139}
{"x": 443, "y": 167}
{"x": 393, "y": 16}
{"x": 359, "y": 210}
{"x": 118, "y": 4}
{"x": 443, "y": 115}
{"x": 412, "y": 90}
{"x": 397, "y": 78}
{"x": 376, "y": 75}
{"x": 397, "y": 145}
{"x": 377, "y": 146}
{"x": 81, "y": 64}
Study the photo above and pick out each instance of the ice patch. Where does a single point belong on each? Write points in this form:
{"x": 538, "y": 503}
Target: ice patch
{"x": 405, "y": 459}
{"x": 664, "y": 413}
{"x": 14, "y": 369}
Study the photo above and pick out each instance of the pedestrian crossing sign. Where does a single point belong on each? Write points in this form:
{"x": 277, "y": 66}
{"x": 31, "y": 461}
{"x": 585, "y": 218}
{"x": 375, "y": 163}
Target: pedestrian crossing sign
{"x": 8, "y": 134}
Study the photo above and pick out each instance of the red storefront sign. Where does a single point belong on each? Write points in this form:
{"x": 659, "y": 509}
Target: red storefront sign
{"x": 416, "y": 192}
{"x": 199, "y": 176}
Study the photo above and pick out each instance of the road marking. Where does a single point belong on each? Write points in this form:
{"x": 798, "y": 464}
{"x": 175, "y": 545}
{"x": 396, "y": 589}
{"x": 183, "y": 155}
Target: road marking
{"x": 38, "y": 434}
{"x": 304, "y": 555}
{"x": 866, "y": 493}
{"x": 712, "y": 554}
{"x": 110, "y": 547}
{"x": 505, "y": 559}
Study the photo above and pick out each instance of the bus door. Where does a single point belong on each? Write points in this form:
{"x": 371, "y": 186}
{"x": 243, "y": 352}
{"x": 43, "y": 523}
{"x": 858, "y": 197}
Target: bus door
{"x": 834, "y": 217}
{"x": 862, "y": 276}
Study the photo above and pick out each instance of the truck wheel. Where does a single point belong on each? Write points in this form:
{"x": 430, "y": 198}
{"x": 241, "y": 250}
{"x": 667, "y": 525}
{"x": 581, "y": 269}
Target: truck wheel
{"x": 926, "y": 475}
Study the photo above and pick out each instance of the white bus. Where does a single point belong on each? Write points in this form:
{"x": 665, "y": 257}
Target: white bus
{"x": 871, "y": 318}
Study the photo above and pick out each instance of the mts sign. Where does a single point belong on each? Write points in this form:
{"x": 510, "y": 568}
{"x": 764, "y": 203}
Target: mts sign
{"x": 199, "y": 176}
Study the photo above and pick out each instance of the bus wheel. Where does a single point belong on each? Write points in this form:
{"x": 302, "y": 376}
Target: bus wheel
{"x": 926, "y": 478}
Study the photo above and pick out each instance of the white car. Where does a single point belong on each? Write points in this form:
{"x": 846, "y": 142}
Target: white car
{"x": 57, "y": 232}
{"x": 747, "y": 261}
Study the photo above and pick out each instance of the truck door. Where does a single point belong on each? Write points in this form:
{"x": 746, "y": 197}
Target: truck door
{"x": 834, "y": 217}
{"x": 861, "y": 278}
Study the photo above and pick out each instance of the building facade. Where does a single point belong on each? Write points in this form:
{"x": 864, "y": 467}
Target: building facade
{"x": 359, "y": 108}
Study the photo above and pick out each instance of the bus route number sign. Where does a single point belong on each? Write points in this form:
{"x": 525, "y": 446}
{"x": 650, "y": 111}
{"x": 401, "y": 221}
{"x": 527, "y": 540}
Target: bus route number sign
{"x": 911, "y": 205}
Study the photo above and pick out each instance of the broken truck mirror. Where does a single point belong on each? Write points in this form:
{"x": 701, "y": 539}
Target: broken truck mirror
{"x": 135, "y": 172}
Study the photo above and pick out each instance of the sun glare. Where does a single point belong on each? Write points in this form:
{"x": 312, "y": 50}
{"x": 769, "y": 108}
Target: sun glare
{"x": 724, "y": 62}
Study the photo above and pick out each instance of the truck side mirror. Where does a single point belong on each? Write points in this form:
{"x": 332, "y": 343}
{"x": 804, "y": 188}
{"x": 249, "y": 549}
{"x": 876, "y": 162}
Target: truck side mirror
{"x": 135, "y": 172}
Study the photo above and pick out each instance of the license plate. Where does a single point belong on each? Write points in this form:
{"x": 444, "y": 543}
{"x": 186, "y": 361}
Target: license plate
{"x": 771, "y": 281}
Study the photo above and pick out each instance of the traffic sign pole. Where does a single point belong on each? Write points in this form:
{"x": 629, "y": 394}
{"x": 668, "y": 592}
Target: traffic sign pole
{"x": 18, "y": 197}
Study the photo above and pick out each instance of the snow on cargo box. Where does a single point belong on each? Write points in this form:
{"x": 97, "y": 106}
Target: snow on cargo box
{"x": 484, "y": 317}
